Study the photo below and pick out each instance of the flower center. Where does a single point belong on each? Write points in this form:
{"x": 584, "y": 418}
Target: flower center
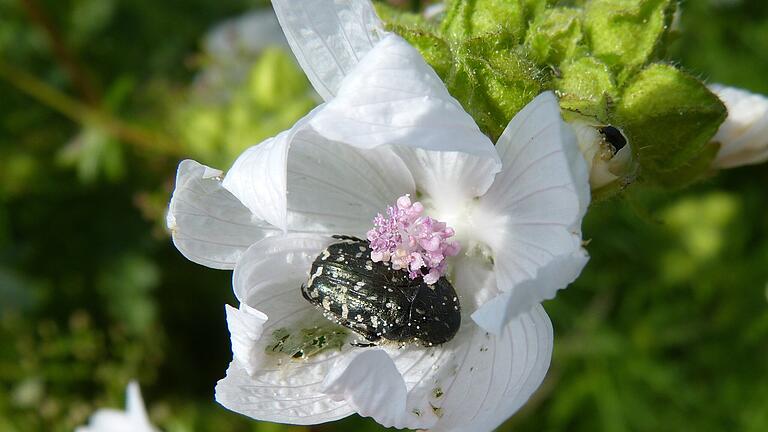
{"x": 411, "y": 241}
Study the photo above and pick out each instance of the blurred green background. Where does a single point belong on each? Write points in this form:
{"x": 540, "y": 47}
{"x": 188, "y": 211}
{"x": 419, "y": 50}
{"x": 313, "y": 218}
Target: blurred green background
{"x": 666, "y": 330}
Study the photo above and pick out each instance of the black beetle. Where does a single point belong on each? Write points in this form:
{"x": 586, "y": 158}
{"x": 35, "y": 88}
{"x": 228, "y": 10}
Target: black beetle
{"x": 614, "y": 137}
{"x": 378, "y": 302}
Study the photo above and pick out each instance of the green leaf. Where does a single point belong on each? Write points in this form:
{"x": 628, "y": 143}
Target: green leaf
{"x": 669, "y": 118}
{"x": 493, "y": 79}
{"x": 586, "y": 85}
{"x": 469, "y": 18}
{"x": 555, "y": 35}
{"x": 625, "y": 33}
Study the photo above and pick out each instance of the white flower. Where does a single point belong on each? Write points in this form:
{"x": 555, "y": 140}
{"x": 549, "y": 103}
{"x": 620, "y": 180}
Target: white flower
{"x": 133, "y": 419}
{"x": 388, "y": 128}
{"x": 744, "y": 134}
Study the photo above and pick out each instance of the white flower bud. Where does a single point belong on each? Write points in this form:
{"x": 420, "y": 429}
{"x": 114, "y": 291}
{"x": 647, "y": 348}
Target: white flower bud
{"x": 743, "y": 136}
{"x": 606, "y": 150}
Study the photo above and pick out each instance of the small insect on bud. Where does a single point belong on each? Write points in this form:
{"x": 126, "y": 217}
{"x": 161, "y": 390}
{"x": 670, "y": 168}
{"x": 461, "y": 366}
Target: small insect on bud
{"x": 377, "y": 301}
{"x": 606, "y": 150}
{"x": 614, "y": 137}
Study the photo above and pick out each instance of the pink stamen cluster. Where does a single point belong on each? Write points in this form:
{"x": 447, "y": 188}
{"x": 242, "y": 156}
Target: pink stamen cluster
{"x": 412, "y": 242}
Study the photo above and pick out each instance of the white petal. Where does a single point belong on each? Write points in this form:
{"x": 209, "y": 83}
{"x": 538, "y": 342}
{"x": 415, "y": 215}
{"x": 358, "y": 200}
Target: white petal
{"x": 370, "y": 383}
{"x": 393, "y": 97}
{"x": 134, "y": 419}
{"x": 246, "y": 326}
{"x": 534, "y": 208}
{"x": 474, "y": 280}
{"x": 108, "y": 420}
{"x": 208, "y": 224}
{"x": 134, "y": 404}
{"x": 449, "y": 181}
{"x": 744, "y": 134}
{"x": 277, "y": 265}
{"x": 266, "y": 397}
{"x": 328, "y": 37}
{"x": 257, "y": 178}
{"x": 477, "y": 380}
{"x": 305, "y": 182}
{"x": 522, "y": 355}
{"x": 268, "y": 278}
{"x": 339, "y": 189}
{"x": 558, "y": 273}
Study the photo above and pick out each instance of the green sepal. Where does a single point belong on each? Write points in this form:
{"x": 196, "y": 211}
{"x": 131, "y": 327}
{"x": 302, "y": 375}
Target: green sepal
{"x": 693, "y": 170}
{"x": 555, "y": 35}
{"x": 626, "y": 34}
{"x": 432, "y": 47}
{"x": 493, "y": 79}
{"x": 586, "y": 85}
{"x": 471, "y": 18}
{"x": 669, "y": 118}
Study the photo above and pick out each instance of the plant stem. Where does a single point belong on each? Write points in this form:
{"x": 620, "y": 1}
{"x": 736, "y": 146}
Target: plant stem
{"x": 63, "y": 55}
{"x": 142, "y": 139}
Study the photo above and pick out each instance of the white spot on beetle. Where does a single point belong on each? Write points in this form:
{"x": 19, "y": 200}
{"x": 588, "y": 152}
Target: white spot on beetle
{"x": 317, "y": 273}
